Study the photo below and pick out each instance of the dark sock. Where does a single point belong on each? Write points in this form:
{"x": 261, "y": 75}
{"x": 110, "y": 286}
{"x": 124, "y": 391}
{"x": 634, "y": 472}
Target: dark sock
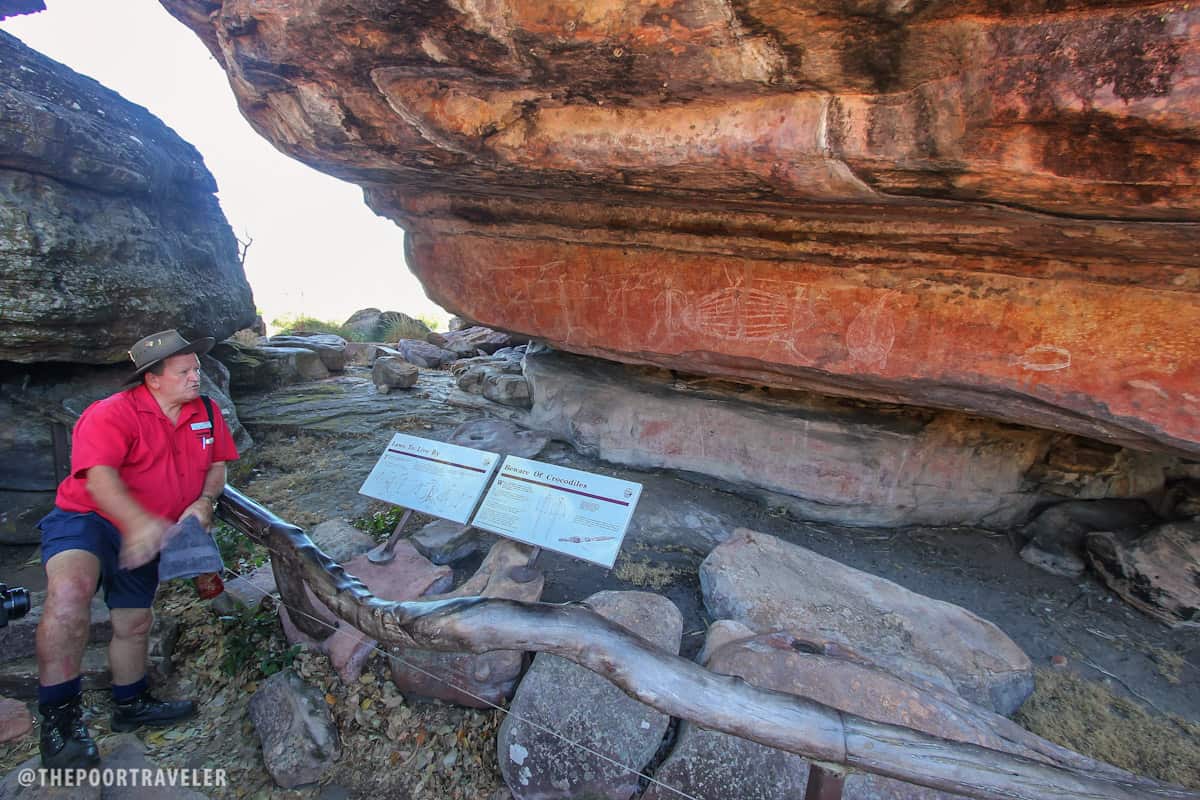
{"x": 123, "y": 694}
{"x": 60, "y": 693}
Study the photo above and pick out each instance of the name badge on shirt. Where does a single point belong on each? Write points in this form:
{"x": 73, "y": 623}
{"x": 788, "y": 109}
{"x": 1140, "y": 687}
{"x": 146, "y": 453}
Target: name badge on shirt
{"x": 201, "y": 426}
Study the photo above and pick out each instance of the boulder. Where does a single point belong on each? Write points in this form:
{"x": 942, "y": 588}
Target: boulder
{"x": 295, "y": 364}
{"x": 769, "y": 584}
{"x": 470, "y": 373}
{"x": 709, "y": 765}
{"x": 373, "y": 325}
{"x": 395, "y": 325}
{"x": 109, "y": 223}
{"x": 391, "y": 372}
{"x": 446, "y": 542}
{"x": 374, "y": 351}
{"x": 423, "y": 354}
{"x": 299, "y": 740}
{"x": 478, "y": 339}
{"x": 364, "y": 324}
{"x": 537, "y": 745}
{"x": 1056, "y": 536}
{"x": 215, "y": 373}
{"x": 477, "y": 680}
{"x": 1157, "y": 573}
{"x": 408, "y": 576}
{"x": 499, "y": 378}
{"x": 507, "y": 390}
{"x": 340, "y": 540}
{"x": 360, "y": 354}
{"x": 249, "y": 590}
{"x": 347, "y": 405}
{"x": 330, "y": 348}
{"x": 261, "y": 369}
{"x": 826, "y": 459}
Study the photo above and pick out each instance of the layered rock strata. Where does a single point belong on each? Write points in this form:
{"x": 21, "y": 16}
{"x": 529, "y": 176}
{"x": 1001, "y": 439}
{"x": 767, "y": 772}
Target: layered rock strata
{"x": 109, "y": 223}
{"x": 830, "y": 459}
{"x": 971, "y": 206}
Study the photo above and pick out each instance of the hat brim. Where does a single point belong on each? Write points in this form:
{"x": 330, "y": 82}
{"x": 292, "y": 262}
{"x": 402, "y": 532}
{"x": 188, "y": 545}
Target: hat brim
{"x": 199, "y": 347}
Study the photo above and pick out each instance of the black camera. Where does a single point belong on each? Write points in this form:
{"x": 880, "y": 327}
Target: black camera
{"x": 14, "y": 603}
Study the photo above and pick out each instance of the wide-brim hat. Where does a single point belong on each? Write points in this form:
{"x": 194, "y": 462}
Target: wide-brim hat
{"x": 162, "y": 345}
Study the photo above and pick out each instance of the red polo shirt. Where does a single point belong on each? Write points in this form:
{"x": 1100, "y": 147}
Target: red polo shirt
{"x": 163, "y": 464}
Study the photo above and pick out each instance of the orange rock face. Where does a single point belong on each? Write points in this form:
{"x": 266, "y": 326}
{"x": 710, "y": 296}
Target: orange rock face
{"x": 989, "y": 205}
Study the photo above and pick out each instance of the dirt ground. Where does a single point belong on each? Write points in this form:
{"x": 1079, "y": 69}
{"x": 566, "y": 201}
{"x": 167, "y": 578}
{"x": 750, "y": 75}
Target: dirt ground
{"x": 1129, "y": 692}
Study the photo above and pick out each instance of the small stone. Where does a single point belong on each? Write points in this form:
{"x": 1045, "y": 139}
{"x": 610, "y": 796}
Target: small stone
{"x": 334, "y": 792}
{"x": 391, "y": 372}
{"x": 299, "y": 739}
{"x": 15, "y": 722}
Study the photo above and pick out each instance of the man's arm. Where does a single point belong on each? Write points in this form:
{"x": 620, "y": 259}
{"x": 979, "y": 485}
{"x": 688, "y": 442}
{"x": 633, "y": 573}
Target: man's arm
{"x": 142, "y": 532}
{"x": 202, "y": 507}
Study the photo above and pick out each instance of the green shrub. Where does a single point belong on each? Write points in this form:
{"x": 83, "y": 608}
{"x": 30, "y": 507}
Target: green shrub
{"x": 239, "y": 553}
{"x": 302, "y": 324}
{"x": 251, "y": 638}
{"x": 430, "y": 322}
{"x": 380, "y": 524}
{"x": 394, "y": 326}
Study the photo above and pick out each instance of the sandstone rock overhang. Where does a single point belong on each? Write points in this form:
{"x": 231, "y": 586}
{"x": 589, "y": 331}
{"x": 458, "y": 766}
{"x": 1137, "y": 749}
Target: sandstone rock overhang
{"x": 983, "y": 206}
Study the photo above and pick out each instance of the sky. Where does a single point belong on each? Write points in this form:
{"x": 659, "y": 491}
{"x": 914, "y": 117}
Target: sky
{"x": 317, "y": 249}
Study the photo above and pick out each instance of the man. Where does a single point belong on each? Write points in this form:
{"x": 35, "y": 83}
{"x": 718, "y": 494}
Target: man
{"x": 141, "y": 460}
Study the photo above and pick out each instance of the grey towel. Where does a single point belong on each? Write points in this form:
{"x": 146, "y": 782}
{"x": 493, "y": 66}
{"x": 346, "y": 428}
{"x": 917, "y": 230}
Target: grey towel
{"x": 189, "y": 551}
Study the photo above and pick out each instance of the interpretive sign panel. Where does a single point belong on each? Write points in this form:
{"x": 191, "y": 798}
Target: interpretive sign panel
{"x": 436, "y": 478}
{"x": 565, "y": 510}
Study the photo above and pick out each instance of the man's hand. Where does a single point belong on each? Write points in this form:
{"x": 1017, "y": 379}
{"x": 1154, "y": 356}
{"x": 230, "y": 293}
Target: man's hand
{"x": 142, "y": 542}
{"x": 201, "y": 509}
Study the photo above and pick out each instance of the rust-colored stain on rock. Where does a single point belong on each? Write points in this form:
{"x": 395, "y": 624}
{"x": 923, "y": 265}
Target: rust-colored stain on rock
{"x": 983, "y": 206}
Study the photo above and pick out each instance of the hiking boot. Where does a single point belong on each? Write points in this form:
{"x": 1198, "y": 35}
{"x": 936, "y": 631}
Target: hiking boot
{"x": 146, "y": 709}
{"x": 65, "y": 742}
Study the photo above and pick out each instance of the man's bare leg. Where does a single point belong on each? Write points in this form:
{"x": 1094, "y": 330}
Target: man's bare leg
{"x": 62, "y": 633}
{"x": 135, "y": 706}
{"x": 131, "y": 639}
{"x": 62, "y": 636}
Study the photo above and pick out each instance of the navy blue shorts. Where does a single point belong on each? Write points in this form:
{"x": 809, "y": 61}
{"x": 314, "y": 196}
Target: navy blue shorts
{"x": 123, "y": 588}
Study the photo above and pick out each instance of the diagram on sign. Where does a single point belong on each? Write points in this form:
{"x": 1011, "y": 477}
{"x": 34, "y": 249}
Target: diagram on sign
{"x": 567, "y": 510}
{"x": 436, "y": 478}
